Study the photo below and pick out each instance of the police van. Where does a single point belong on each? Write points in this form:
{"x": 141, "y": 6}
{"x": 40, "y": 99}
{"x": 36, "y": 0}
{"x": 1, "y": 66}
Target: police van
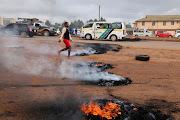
{"x": 103, "y": 30}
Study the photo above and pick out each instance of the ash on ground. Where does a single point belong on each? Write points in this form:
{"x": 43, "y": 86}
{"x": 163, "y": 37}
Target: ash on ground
{"x": 97, "y": 48}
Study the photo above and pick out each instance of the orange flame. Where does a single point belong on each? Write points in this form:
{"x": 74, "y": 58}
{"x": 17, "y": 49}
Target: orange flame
{"x": 109, "y": 111}
{"x": 99, "y": 64}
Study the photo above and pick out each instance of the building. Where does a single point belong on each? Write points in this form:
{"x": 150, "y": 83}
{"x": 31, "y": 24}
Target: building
{"x": 6, "y": 21}
{"x": 169, "y": 23}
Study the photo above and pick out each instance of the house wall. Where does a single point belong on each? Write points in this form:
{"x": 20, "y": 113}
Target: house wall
{"x": 12, "y": 20}
{"x": 159, "y": 26}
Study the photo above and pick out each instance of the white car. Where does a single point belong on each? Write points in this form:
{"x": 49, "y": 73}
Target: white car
{"x": 142, "y": 33}
{"x": 177, "y": 34}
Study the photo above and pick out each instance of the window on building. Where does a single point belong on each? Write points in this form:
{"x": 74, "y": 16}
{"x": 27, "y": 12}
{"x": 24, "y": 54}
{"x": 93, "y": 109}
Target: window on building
{"x": 143, "y": 23}
{"x": 153, "y": 23}
{"x": 164, "y": 23}
{"x": 172, "y": 23}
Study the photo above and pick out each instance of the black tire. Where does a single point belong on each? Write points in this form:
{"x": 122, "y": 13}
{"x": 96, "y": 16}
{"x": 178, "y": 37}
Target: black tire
{"x": 31, "y": 35}
{"x": 146, "y": 36}
{"x": 143, "y": 57}
{"x": 179, "y": 36}
{"x": 23, "y": 34}
{"x": 170, "y": 36}
{"x": 46, "y": 33}
{"x": 136, "y": 35}
{"x": 113, "y": 38}
{"x": 157, "y": 36}
{"x": 88, "y": 37}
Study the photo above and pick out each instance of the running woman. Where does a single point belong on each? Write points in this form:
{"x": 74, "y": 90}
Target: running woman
{"x": 66, "y": 37}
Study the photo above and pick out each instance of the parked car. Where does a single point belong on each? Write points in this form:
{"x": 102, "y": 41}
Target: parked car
{"x": 177, "y": 34}
{"x": 44, "y": 29}
{"x": 164, "y": 34}
{"x": 18, "y": 29}
{"x": 142, "y": 33}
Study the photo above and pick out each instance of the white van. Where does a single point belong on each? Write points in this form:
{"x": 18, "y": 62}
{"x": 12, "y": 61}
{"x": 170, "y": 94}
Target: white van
{"x": 177, "y": 34}
{"x": 103, "y": 30}
{"x": 142, "y": 33}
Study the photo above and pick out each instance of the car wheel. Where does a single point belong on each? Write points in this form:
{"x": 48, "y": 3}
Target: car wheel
{"x": 31, "y": 35}
{"x": 46, "y": 33}
{"x": 113, "y": 38}
{"x": 23, "y": 34}
{"x": 136, "y": 35}
{"x": 143, "y": 57}
{"x": 179, "y": 36}
{"x": 170, "y": 36}
{"x": 146, "y": 36}
{"x": 157, "y": 36}
{"x": 88, "y": 37}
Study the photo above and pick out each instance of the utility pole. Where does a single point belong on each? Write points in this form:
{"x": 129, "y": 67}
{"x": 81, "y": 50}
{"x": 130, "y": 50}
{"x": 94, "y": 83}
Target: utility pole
{"x": 99, "y": 13}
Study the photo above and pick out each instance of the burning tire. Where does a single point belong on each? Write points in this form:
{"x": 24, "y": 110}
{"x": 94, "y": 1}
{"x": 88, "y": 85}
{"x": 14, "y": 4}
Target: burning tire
{"x": 103, "y": 109}
{"x": 143, "y": 57}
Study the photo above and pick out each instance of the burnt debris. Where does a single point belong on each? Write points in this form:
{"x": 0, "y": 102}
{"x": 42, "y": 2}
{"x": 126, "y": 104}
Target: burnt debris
{"x": 100, "y": 67}
{"x": 99, "y": 48}
{"x": 126, "y": 111}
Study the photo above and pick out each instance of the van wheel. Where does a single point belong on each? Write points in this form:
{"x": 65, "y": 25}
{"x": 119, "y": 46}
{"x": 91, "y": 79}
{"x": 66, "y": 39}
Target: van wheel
{"x": 170, "y": 36}
{"x": 46, "y": 33}
{"x": 23, "y": 34}
{"x": 88, "y": 37}
{"x": 113, "y": 38}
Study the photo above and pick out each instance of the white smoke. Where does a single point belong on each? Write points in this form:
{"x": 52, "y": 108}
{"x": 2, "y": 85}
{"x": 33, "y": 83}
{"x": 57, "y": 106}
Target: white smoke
{"x": 70, "y": 69}
{"x": 87, "y": 51}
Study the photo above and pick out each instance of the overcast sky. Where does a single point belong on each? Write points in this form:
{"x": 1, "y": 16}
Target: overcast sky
{"x": 68, "y": 10}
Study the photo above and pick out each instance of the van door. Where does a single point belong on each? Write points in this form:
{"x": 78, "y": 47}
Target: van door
{"x": 101, "y": 30}
{"x": 88, "y": 29}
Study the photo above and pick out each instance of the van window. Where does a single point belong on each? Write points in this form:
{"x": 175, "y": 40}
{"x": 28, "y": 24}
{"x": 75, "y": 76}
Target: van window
{"x": 103, "y": 25}
{"x": 116, "y": 26}
{"x": 88, "y": 25}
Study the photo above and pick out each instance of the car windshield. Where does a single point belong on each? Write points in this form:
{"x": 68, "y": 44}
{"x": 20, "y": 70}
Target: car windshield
{"x": 42, "y": 24}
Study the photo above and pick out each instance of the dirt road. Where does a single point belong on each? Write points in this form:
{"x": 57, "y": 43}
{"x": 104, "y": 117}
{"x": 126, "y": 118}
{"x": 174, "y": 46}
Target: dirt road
{"x": 32, "y": 89}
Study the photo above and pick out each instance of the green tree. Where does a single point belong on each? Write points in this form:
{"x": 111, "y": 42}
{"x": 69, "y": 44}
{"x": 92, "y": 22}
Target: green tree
{"x": 48, "y": 23}
{"x": 128, "y": 25}
{"x": 102, "y": 19}
{"x": 76, "y": 24}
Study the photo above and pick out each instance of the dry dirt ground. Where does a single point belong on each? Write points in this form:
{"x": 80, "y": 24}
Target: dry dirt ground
{"x": 30, "y": 94}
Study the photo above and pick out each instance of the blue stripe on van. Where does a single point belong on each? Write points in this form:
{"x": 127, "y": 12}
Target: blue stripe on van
{"x": 107, "y": 33}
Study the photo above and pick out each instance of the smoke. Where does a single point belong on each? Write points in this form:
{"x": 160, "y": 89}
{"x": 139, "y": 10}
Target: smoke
{"x": 81, "y": 71}
{"x": 88, "y": 51}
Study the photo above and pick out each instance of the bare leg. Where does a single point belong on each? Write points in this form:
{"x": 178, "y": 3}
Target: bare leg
{"x": 69, "y": 52}
{"x": 62, "y": 50}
